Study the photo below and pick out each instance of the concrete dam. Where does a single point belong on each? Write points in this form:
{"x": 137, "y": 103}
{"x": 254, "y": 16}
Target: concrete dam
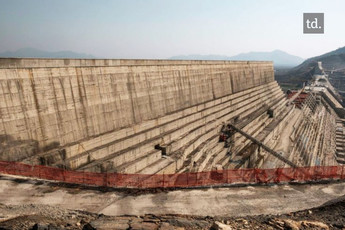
{"x": 160, "y": 116}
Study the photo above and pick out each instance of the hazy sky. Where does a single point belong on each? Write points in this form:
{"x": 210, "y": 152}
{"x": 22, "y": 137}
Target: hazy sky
{"x": 164, "y": 28}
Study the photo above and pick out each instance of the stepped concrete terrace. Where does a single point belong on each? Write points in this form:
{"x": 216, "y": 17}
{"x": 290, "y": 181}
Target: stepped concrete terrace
{"x": 155, "y": 116}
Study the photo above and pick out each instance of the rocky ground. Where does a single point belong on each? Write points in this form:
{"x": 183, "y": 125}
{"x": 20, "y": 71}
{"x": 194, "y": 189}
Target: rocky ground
{"x": 329, "y": 216}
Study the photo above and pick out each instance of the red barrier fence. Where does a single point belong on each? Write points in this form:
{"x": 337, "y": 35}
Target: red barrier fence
{"x": 211, "y": 178}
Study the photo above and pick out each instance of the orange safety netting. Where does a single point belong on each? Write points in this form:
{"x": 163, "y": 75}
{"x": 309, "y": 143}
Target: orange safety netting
{"x": 192, "y": 179}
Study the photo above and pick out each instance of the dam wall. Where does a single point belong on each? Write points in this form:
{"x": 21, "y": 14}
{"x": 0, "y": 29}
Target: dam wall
{"x": 69, "y": 103}
{"x": 75, "y": 111}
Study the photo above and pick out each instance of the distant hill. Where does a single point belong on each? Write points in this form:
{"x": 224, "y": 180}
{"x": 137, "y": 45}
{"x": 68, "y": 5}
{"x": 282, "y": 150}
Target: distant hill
{"x": 330, "y": 61}
{"x": 36, "y": 53}
{"x": 279, "y": 58}
{"x": 200, "y": 57}
{"x": 334, "y": 60}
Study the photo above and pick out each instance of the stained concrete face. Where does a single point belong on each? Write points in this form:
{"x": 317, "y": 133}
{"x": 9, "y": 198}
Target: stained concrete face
{"x": 120, "y": 115}
{"x": 81, "y": 99}
{"x": 79, "y": 105}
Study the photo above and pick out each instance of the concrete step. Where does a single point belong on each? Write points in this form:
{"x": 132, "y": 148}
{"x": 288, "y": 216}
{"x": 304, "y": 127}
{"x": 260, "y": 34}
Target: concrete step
{"x": 213, "y": 162}
{"x": 197, "y": 135}
{"x": 100, "y": 154}
{"x": 195, "y": 152}
{"x": 266, "y": 135}
{"x": 255, "y": 130}
{"x": 285, "y": 111}
{"x": 340, "y": 154}
{"x": 247, "y": 106}
{"x": 163, "y": 165}
{"x": 202, "y": 162}
{"x": 192, "y": 159}
{"x": 224, "y": 159}
{"x": 122, "y": 138}
{"x": 262, "y": 112}
{"x": 308, "y": 134}
{"x": 261, "y": 118}
{"x": 340, "y": 149}
{"x": 183, "y": 154}
{"x": 139, "y": 163}
{"x": 260, "y": 132}
{"x": 340, "y": 161}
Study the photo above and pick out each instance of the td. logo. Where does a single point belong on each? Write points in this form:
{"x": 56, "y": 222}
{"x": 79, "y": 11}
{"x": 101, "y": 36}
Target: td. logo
{"x": 313, "y": 23}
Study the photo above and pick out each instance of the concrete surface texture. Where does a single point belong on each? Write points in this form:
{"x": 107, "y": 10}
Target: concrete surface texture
{"x": 116, "y": 111}
{"x": 235, "y": 201}
{"x": 155, "y": 116}
{"x": 68, "y": 104}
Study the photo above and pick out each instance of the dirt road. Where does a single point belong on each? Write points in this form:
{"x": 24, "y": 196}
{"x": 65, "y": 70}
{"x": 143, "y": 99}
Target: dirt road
{"x": 234, "y": 201}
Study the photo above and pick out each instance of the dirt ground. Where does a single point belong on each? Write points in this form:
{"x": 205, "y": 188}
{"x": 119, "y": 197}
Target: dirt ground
{"x": 32, "y": 204}
{"x": 329, "y": 216}
{"x": 224, "y": 201}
